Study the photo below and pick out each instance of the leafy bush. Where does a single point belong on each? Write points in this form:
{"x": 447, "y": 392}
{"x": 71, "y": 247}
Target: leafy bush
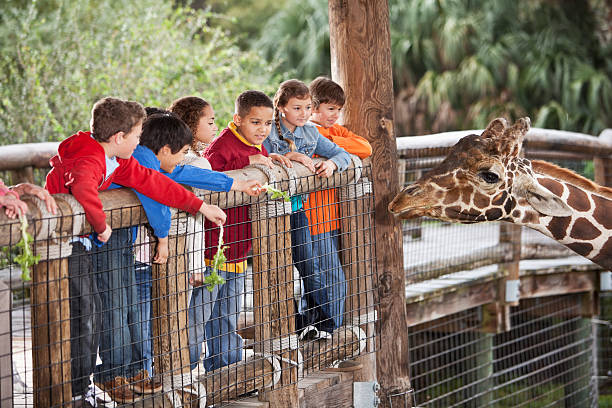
{"x": 59, "y": 57}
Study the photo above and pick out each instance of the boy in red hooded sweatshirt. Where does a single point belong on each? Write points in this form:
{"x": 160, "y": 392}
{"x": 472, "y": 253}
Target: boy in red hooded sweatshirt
{"x": 86, "y": 163}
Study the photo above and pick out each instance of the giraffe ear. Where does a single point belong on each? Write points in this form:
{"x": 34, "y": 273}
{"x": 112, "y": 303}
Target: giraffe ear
{"x": 545, "y": 202}
{"x": 495, "y": 128}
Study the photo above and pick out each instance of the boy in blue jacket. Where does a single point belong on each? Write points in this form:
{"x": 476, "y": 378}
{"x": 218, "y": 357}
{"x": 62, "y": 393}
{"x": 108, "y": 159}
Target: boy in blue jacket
{"x": 163, "y": 143}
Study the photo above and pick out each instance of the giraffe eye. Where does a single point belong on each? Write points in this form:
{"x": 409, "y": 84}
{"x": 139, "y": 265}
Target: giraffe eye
{"x": 489, "y": 177}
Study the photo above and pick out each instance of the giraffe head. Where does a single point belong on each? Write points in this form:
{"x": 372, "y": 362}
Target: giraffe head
{"x": 483, "y": 178}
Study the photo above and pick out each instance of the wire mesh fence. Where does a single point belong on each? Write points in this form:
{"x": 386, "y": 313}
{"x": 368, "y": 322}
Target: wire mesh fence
{"x": 105, "y": 323}
{"x": 545, "y": 360}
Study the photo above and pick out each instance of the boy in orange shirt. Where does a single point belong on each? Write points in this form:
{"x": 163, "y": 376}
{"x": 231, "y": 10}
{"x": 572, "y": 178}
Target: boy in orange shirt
{"x": 321, "y": 207}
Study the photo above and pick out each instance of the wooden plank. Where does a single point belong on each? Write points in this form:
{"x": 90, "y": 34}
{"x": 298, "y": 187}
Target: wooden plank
{"x": 356, "y": 255}
{"x": 169, "y": 310}
{"x": 339, "y": 395}
{"x": 464, "y": 298}
{"x": 51, "y": 333}
{"x": 361, "y": 63}
{"x": 273, "y": 299}
{"x": 558, "y": 284}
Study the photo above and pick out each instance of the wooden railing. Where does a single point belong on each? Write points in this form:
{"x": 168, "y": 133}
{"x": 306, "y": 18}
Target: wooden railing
{"x": 273, "y": 317}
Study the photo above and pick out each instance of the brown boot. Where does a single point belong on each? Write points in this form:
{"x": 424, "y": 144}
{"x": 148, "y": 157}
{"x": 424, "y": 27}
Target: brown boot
{"x": 119, "y": 390}
{"x": 142, "y": 383}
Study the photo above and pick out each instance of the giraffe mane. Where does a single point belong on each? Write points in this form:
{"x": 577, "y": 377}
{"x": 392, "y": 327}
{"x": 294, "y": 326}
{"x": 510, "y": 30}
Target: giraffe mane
{"x": 550, "y": 169}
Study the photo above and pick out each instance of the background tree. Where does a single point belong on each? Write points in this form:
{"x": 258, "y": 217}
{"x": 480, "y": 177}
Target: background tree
{"x": 459, "y": 63}
{"x": 59, "y": 56}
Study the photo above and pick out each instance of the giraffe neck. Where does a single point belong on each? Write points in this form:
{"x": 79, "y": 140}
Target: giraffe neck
{"x": 587, "y": 231}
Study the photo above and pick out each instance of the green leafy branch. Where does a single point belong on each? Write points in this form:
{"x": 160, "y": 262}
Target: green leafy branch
{"x": 218, "y": 261}
{"x": 26, "y": 259}
{"x": 276, "y": 193}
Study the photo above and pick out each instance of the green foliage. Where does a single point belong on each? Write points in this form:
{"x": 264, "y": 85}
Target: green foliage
{"x": 59, "y": 57}
{"x": 276, "y": 193}
{"x": 26, "y": 259}
{"x": 218, "y": 261}
{"x": 460, "y": 63}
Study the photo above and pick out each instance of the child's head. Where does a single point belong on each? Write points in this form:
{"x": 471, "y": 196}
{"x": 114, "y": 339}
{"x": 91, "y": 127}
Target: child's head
{"x": 168, "y": 137}
{"x": 117, "y": 124}
{"x": 253, "y": 117}
{"x": 198, "y": 115}
{"x": 327, "y": 100}
{"x": 292, "y": 100}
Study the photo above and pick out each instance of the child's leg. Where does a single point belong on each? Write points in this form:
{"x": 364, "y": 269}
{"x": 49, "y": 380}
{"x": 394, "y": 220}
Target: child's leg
{"x": 143, "y": 281}
{"x": 224, "y": 344}
{"x": 331, "y": 276}
{"x": 84, "y": 317}
{"x": 301, "y": 251}
{"x": 112, "y": 267}
{"x": 200, "y": 308}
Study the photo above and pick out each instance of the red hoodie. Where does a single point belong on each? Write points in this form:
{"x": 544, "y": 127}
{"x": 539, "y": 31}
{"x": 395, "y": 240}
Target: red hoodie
{"x": 79, "y": 169}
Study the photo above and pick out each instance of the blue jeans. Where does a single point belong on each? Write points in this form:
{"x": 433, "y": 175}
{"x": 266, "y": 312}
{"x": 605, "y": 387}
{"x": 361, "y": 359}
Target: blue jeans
{"x": 200, "y": 309}
{"x": 144, "y": 282}
{"x": 223, "y": 343}
{"x": 330, "y": 276}
{"x": 322, "y": 303}
{"x": 120, "y": 340}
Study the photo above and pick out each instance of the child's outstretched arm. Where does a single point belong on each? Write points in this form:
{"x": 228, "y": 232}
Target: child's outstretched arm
{"x": 250, "y": 187}
{"x": 31, "y": 189}
{"x": 162, "y": 252}
{"x": 301, "y": 158}
{"x": 213, "y": 213}
{"x": 13, "y": 205}
{"x": 325, "y": 168}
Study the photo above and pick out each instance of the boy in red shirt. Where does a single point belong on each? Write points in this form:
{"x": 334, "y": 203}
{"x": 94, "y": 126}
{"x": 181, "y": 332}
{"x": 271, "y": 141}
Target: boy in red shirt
{"x": 238, "y": 145}
{"x": 321, "y": 207}
{"x": 86, "y": 163}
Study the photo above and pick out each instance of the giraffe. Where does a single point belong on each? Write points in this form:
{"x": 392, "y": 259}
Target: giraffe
{"x": 483, "y": 178}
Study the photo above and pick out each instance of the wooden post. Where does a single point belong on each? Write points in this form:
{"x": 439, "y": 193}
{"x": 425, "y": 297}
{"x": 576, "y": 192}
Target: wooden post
{"x": 361, "y": 63}
{"x": 273, "y": 297}
{"x": 23, "y": 175}
{"x": 357, "y": 255}
{"x": 169, "y": 307}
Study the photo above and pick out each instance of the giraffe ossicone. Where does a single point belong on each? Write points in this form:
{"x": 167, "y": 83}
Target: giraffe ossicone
{"x": 484, "y": 178}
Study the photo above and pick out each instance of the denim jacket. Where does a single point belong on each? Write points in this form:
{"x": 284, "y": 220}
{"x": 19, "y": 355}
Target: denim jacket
{"x": 308, "y": 141}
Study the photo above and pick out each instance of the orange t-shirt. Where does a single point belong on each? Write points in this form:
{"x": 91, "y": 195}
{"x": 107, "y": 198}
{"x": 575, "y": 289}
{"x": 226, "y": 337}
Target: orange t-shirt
{"x": 321, "y": 207}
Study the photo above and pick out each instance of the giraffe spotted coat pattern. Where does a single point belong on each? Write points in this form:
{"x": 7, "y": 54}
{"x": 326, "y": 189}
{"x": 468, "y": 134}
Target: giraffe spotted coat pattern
{"x": 484, "y": 178}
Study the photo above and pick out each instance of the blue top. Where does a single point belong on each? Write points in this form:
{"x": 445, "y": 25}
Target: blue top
{"x": 307, "y": 141}
{"x": 159, "y": 214}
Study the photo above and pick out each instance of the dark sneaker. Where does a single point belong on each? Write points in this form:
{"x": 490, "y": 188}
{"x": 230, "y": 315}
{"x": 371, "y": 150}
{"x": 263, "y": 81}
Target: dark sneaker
{"x": 142, "y": 383}
{"x": 119, "y": 390}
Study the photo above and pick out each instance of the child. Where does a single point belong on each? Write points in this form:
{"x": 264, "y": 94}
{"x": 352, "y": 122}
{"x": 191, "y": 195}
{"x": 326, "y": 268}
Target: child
{"x": 298, "y": 140}
{"x": 199, "y": 115}
{"x": 238, "y": 145}
{"x": 164, "y": 141}
{"x": 321, "y": 207}
{"x": 9, "y": 198}
{"x": 86, "y": 163}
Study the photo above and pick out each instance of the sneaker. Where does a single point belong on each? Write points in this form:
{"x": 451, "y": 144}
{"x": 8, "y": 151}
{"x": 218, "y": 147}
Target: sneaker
{"x": 309, "y": 333}
{"x": 142, "y": 383}
{"x": 119, "y": 390}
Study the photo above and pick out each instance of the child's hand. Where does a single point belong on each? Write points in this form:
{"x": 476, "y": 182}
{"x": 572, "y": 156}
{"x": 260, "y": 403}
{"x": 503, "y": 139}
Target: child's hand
{"x": 213, "y": 213}
{"x": 105, "y": 236}
{"x": 31, "y": 189}
{"x": 325, "y": 168}
{"x": 260, "y": 159}
{"x": 301, "y": 158}
{"x": 14, "y": 206}
{"x": 251, "y": 187}
{"x": 161, "y": 253}
{"x": 279, "y": 158}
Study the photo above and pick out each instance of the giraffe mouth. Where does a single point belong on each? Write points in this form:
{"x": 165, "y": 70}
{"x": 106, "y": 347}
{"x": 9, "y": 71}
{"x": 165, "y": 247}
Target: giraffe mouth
{"x": 462, "y": 216}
